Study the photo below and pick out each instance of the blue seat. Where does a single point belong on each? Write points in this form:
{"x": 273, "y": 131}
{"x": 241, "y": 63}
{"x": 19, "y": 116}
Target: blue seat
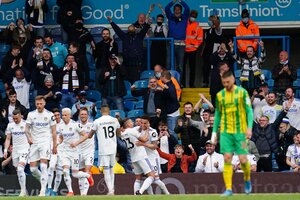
{"x": 99, "y": 114}
{"x": 238, "y": 81}
{"x": 139, "y": 104}
{"x": 267, "y": 73}
{"x": 270, "y": 83}
{"x": 90, "y": 58}
{"x": 96, "y": 33}
{"x": 93, "y": 95}
{"x": 135, "y": 113}
{"x": 237, "y": 73}
{"x": 141, "y": 84}
{"x": 298, "y": 73}
{"x": 98, "y": 104}
{"x": 147, "y": 74}
{"x": 56, "y": 34}
{"x": 175, "y": 74}
{"x": 128, "y": 89}
{"x": 296, "y": 83}
{"x": 119, "y": 42}
{"x": 2, "y": 88}
{"x": 120, "y": 112}
{"x": 129, "y": 105}
{"x": 4, "y": 48}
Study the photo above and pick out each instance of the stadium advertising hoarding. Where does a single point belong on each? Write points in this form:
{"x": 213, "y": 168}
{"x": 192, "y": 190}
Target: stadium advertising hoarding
{"x": 267, "y": 13}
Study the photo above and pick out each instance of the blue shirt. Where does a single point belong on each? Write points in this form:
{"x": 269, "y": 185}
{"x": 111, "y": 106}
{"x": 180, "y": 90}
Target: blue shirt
{"x": 59, "y": 53}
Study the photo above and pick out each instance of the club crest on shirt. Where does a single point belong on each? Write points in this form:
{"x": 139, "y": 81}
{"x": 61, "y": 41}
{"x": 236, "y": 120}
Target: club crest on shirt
{"x": 22, "y": 127}
{"x": 45, "y": 118}
{"x": 70, "y": 129}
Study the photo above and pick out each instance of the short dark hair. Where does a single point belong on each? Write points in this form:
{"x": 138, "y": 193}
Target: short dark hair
{"x": 160, "y": 15}
{"x": 105, "y": 29}
{"x": 220, "y": 64}
{"x": 54, "y": 110}
{"x": 166, "y": 74}
{"x": 75, "y": 44}
{"x": 207, "y": 111}
{"x": 38, "y": 38}
{"x": 146, "y": 117}
{"x": 272, "y": 92}
{"x": 227, "y": 74}
{"x": 12, "y": 92}
{"x": 188, "y": 103}
{"x": 48, "y": 35}
{"x": 163, "y": 123}
{"x": 178, "y": 6}
{"x": 16, "y": 111}
{"x": 292, "y": 88}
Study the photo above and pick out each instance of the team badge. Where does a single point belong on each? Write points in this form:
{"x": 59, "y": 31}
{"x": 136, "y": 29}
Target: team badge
{"x": 45, "y": 118}
{"x": 22, "y": 127}
{"x": 70, "y": 129}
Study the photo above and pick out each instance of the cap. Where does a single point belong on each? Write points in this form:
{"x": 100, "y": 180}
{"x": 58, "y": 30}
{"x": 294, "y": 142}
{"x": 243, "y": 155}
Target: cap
{"x": 82, "y": 93}
{"x": 48, "y": 78}
{"x": 245, "y": 13}
{"x": 209, "y": 142}
{"x": 285, "y": 120}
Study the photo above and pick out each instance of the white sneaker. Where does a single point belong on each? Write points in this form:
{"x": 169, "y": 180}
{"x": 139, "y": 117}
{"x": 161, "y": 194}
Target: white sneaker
{"x": 42, "y": 194}
{"x": 23, "y": 194}
{"x": 110, "y": 193}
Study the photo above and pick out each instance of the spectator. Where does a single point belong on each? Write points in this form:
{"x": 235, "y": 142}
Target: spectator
{"x": 51, "y": 93}
{"x": 12, "y": 104}
{"x": 194, "y": 38}
{"x": 69, "y": 11}
{"x": 294, "y": 110}
{"x": 81, "y": 35}
{"x": 21, "y": 84}
{"x": 167, "y": 143}
{"x": 40, "y": 72}
{"x": 13, "y": 31}
{"x": 272, "y": 109}
{"x": 264, "y": 137}
{"x": 285, "y": 139}
{"x": 258, "y": 100}
{"x": 158, "y": 47}
{"x": 188, "y": 133}
{"x": 81, "y": 60}
{"x": 36, "y": 52}
{"x": 113, "y": 86}
{"x": 10, "y": 63}
{"x": 178, "y": 162}
{"x": 292, "y": 155}
{"x": 284, "y": 73}
{"x": 25, "y": 46}
{"x": 158, "y": 69}
{"x": 59, "y": 51}
{"x": 132, "y": 49}
{"x": 177, "y": 22}
{"x": 103, "y": 50}
{"x": 211, "y": 161}
{"x": 221, "y": 62}
{"x": 7, "y": 166}
{"x": 246, "y": 28}
{"x": 202, "y": 105}
{"x": 237, "y": 165}
{"x": 170, "y": 102}
{"x": 83, "y": 102}
{"x": 36, "y": 14}
{"x": 213, "y": 38}
{"x": 71, "y": 81}
{"x": 251, "y": 74}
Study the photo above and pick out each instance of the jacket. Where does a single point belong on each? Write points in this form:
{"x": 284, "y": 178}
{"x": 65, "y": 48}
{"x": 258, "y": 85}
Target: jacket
{"x": 209, "y": 165}
{"x": 185, "y": 160}
{"x": 194, "y": 36}
{"x": 171, "y": 103}
{"x": 251, "y": 30}
{"x": 33, "y": 15}
{"x": 22, "y": 108}
{"x": 53, "y": 101}
{"x": 283, "y": 80}
{"x": 176, "y": 84}
{"x": 68, "y": 5}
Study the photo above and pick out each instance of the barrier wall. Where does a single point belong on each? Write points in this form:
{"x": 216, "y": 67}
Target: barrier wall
{"x": 176, "y": 183}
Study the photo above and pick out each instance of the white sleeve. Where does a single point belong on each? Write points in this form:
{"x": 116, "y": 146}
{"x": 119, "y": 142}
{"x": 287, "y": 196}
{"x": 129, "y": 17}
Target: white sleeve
{"x": 29, "y": 120}
{"x": 200, "y": 167}
{"x": 135, "y": 133}
{"x": 94, "y": 127}
{"x": 117, "y": 124}
{"x": 8, "y": 131}
{"x": 221, "y": 163}
{"x": 288, "y": 152}
{"x": 252, "y": 160}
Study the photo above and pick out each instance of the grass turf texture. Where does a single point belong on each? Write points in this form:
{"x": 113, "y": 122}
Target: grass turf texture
{"x": 174, "y": 197}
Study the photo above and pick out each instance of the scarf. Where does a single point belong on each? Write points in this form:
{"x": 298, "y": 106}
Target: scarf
{"x": 251, "y": 65}
{"x": 75, "y": 81}
{"x": 37, "y": 5}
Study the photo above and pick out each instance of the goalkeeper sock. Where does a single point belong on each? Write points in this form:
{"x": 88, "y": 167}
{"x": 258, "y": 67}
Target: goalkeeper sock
{"x": 246, "y": 169}
{"x": 227, "y": 175}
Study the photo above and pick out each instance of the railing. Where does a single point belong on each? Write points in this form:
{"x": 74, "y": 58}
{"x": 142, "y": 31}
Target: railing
{"x": 148, "y": 40}
{"x": 285, "y": 42}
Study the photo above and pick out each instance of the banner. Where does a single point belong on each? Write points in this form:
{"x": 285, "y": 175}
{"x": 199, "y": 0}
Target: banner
{"x": 267, "y": 13}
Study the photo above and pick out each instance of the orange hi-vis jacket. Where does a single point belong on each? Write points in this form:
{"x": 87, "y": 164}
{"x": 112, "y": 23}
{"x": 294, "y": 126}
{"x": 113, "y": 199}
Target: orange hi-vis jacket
{"x": 194, "y": 36}
{"x": 242, "y": 30}
{"x": 176, "y": 84}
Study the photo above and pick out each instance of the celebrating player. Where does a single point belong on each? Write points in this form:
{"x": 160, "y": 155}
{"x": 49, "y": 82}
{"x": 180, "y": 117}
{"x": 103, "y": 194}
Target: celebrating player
{"x": 16, "y": 131}
{"x": 40, "y": 126}
{"x": 234, "y": 111}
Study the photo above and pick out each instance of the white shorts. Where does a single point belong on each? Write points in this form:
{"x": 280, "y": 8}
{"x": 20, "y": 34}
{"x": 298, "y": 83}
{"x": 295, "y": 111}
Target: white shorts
{"x": 85, "y": 160}
{"x": 142, "y": 167}
{"x": 107, "y": 160}
{"x": 155, "y": 162}
{"x": 70, "y": 159}
{"x": 20, "y": 156}
{"x": 39, "y": 152}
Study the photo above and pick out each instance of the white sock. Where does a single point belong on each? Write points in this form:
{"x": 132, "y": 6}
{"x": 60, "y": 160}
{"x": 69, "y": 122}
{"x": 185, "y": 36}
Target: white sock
{"x": 150, "y": 190}
{"x": 112, "y": 176}
{"x": 81, "y": 185}
{"x": 44, "y": 176}
{"x": 107, "y": 178}
{"x": 146, "y": 184}
{"x": 80, "y": 174}
{"x": 57, "y": 180}
{"x": 21, "y": 177}
{"x": 36, "y": 173}
{"x": 86, "y": 186}
{"x": 67, "y": 179}
{"x": 51, "y": 168}
{"x": 137, "y": 185}
{"x": 162, "y": 186}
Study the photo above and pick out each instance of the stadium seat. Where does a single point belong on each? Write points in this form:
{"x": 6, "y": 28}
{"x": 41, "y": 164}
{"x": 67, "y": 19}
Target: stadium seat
{"x": 98, "y": 104}
{"x": 119, "y": 42}
{"x": 135, "y": 113}
{"x": 90, "y": 58}
{"x": 129, "y": 105}
{"x": 93, "y": 95}
{"x": 128, "y": 89}
{"x": 56, "y": 34}
{"x": 270, "y": 83}
{"x": 296, "y": 85}
{"x": 298, "y": 73}
{"x": 139, "y": 104}
{"x": 96, "y": 33}
{"x": 146, "y": 74}
{"x": 141, "y": 84}
{"x": 238, "y": 81}
{"x": 93, "y": 67}
{"x": 237, "y": 73}
{"x": 267, "y": 73}
{"x": 114, "y": 112}
{"x": 4, "y": 48}
{"x": 2, "y": 88}
{"x": 98, "y": 113}
{"x": 175, "y": 74}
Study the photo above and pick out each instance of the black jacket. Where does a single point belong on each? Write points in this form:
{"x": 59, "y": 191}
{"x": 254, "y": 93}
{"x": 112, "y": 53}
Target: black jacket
{"x": 22, "y": 108}
{"x": 34, "y": 19}
{"x": 119, "y": 75}
{"x": 103, "y": 51}
{"x": 53, "y": 101}
{"x": 169, "y": 96}
{"x": 265, "y": 139}
{"x": 64, "y": 7}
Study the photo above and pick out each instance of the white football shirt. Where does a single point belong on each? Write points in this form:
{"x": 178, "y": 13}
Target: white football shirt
{"x": 294, "y": 113}
{"x": 22, "y": 90}
{"x": 106, "y": 128}
{"x": 251, "y": 158}
{"x": 153, "y": 136}
{"x": 41, "y": 124}
{"x": 88, "y": 145}
{"x": 17, "y": 132}
{"x": 70, "y": 133}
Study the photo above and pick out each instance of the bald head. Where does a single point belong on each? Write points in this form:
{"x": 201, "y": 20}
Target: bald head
{"x": 283, "y": 56}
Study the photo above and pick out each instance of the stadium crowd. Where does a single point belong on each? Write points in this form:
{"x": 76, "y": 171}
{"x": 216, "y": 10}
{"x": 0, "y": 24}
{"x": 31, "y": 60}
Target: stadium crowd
{"x": 81, "y": 74}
